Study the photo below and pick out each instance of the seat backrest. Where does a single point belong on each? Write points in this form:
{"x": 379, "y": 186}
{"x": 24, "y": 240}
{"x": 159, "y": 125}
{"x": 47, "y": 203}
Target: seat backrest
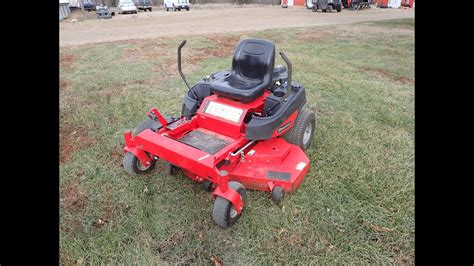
{"x": 254, "y": 59}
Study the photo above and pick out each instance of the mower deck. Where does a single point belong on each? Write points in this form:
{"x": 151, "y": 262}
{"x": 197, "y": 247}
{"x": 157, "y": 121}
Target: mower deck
{"x": 272, "y": 162}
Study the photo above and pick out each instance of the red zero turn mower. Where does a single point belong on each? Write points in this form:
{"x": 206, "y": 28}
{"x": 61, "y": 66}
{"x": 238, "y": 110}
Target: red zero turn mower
{"x": 244, "y": 128}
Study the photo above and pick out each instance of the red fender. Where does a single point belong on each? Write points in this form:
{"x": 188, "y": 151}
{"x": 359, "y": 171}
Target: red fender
{"x": 131, "y": 147}
{"x": 232, "y": 196}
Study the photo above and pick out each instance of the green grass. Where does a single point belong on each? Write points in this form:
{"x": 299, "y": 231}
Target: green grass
{"x": 356, "y": 205}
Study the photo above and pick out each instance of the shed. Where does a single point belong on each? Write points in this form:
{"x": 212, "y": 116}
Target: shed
{"x": 64, "y": 10}
{"x": 74, "y": 3}
{"x": 408, "y": 3}
{"x": 294, "y": 2}
{"x": 394, "y": 3}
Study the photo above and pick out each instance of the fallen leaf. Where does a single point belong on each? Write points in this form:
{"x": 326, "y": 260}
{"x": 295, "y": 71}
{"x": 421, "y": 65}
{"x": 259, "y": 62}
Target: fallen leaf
{"x": 380, "y": 229}
{"x": 216, "y": 261}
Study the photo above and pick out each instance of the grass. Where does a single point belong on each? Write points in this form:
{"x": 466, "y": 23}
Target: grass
{"x": 356, "y": 205}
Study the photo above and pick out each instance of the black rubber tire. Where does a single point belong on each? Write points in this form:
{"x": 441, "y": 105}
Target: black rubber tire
{"x": 338, "y": 8}
{"x": 296, "y": 134}
{"x": 278, "y": 194}
{"x": 314, "y": 9}
{"x": 207, "y": 185}
{"x": 187, "y": 8}
{"x": 146, "y": 124}
{"x": 179, "y": 9}
{"x": 329, "y": 9}
{"x": 130, "y": 164}
{"x": 149, "y": 9}
{"x": 170, "y": 169}
{"x": 167, "y": 9}
{"x": 344, "y": 3}
{"x": 222, "y": 207}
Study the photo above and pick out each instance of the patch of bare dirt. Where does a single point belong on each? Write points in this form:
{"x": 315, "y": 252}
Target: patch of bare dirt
{"x": 62, "y": 84}
{"x": 72, "y": 138}
{"x": 225, "y": 45}
{"x": 385, "y": 73}
{"x": 310, "y": 35}
{"x": 66, "y": 60}
{"x": 404, "y": 260}
{"x": 403, "y": 80}
{"x": 174, "y": 239}
{"x": 72, "y": 200}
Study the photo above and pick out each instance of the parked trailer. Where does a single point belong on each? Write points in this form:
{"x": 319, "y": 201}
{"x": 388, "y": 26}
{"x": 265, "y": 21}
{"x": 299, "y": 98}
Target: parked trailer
{"x": 357, "y": 4}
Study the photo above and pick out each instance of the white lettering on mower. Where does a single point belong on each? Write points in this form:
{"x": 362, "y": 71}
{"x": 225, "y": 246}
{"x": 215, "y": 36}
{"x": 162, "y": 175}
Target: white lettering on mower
{"x": 203, "y": 157}
{"x": 224, "y": 111}
{"x": 300, "y": 166}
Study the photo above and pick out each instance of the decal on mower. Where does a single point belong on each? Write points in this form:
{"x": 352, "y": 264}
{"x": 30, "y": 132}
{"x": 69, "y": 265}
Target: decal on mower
{"x": 300, "y": 166}
{"x": 223, "y": 111}
{"x": 285, "y": 126}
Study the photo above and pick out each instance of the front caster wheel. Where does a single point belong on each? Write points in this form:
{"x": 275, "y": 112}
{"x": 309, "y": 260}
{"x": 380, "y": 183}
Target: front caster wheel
{"x": 134, "y": 167}
{"x": 224, "y": 213}
{"x": 278, "y": 194}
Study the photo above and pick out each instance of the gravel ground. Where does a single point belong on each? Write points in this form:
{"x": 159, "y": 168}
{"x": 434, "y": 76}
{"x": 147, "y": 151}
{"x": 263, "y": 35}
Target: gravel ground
{"x": 160, "y": 23}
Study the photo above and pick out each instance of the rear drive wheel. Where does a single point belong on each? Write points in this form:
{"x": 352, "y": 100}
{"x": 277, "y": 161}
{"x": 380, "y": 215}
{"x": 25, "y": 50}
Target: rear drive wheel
{"x": 302, "y": 131}
{"x": 223, "y": 212}
{"x": 134, "y": 167}
{"x": 147, "y": 124}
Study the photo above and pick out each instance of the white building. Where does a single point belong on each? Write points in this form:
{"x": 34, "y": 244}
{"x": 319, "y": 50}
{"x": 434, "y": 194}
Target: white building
{"x": 64, "y": 10}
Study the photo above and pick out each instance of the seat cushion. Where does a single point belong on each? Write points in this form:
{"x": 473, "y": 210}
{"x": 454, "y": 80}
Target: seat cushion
{"x": 252, "y": 67}
{"x": 238, "y": 88}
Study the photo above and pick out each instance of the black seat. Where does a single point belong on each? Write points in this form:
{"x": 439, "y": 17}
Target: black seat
{"x": 252, "y": 68}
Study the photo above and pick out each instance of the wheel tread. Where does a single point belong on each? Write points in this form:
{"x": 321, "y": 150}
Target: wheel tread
{"x": 295, "y": 134}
